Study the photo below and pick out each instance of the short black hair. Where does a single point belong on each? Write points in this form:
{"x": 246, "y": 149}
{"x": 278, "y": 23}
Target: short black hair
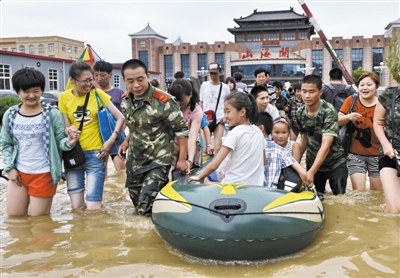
{"x": 278, "y": 85}
{"x": 313, "y": 79}
{"x": 260, "y": 70}
{"x": 265, "y": 119}
{"x": 336, "y": 74}
{"x": 27, "y": 78}
{"x": 238, "y": 76}
{"x": 258, "y": 89}
{"x": 103, "y": 66}
{"x": 297, "y": 86}
{"x": 179, "y": 74}
{"x": 133, "y": 64}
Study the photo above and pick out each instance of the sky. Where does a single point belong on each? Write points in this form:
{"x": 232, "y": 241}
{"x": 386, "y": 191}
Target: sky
{"x": 106, "y": 25}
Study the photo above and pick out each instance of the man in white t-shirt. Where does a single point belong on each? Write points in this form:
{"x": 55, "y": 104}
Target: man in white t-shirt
{"x": 209, "y": 92}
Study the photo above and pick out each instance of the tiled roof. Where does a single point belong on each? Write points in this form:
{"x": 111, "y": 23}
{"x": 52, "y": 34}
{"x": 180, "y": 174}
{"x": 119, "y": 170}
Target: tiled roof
{"x": 271, "y": 16}
{"x": 148, "y": 31}
{"x": 269, "y": 28}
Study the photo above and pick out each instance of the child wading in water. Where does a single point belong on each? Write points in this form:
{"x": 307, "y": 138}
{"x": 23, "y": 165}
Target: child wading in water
{"x": 32, "y": 138}
{"x": 280, "y": 135}
{"x": 243, "y": 146}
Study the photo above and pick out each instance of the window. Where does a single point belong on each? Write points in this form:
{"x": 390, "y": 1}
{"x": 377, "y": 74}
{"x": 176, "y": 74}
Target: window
{"x": 51, "y": 46}
{"x": 220, "y": 58}
{"x": 41, "y": 49}
{"x": 356, "y": 55}
{"x": 69, "y": 48}
{"x": 253, "y": 37}
{"x": 185, "y": 64}
{"x": 13, "y": 49}
{"x": 288, "y": 36}
{"x": 5, "y": 48}
{"x": 239, "y": 38}
{"x": 52, "y": 56}
{"x": 339, "y": 53}
{"x": 31, "y": 49}
{"x": 302, "y": 35}
{"x": 63, "y": 48}
{"x": 169, "y": 70}
{"x": 271, "y": 37}
{"x": 22, "y": 49}
{"x": 53, "y": 80}
{"x": 144, "y": 57}
{"x": 317, "y": 62}
{"x": 75, "y": 49}
{"x": 5, "y": 77}
{"x": 377, "y": 56}
{"x": 202, "y": 61}
{"x": 116, "y": 81}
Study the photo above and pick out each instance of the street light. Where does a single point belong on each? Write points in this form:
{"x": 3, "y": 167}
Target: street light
{"x": 306, "y": 69}
{"x": 380, "y": 69}
{"x": 202, "y": 73}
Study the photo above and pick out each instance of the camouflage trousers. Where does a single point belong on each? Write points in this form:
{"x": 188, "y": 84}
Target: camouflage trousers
{"x": 143, "y": 188}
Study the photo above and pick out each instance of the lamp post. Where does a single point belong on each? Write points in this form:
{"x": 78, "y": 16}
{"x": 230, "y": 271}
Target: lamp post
{"x": 202, "y": 73}
{"x": 306, "y": 69}
{"x": 380, "y": 69}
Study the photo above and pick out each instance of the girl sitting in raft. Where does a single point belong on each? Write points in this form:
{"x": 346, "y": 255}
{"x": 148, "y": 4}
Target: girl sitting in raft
{"x": 280, "y": 134}
{"x": 243, "y": 146}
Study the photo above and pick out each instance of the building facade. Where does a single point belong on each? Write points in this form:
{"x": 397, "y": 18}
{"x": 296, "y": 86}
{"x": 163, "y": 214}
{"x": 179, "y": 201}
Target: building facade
{"x": 50, "y": 46}
{"x": 279, "y": 41}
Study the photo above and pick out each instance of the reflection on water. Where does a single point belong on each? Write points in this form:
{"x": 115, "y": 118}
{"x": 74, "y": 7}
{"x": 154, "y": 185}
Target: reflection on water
{"x": 358, "y": 239}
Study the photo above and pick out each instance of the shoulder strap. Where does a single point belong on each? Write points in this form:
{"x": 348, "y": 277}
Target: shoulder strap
{"x": 332, "y": 88}
{"x": 84, "y": 109}
{"x": 353, "y": 102}
{"x": 393, "y": 107}
{"x": 219, "y": 95}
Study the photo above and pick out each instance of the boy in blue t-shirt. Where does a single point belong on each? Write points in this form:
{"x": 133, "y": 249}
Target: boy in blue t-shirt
{"x": 276, "y": 156}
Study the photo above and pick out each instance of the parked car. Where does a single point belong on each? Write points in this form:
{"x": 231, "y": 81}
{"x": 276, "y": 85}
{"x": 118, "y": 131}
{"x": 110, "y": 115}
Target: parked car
{"x": 51, "y": 98}
{"x": 8, "y": 94}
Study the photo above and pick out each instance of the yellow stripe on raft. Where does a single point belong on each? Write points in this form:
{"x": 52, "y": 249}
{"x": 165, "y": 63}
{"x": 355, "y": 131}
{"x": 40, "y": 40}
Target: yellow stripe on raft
{"x": 290, "y": 198}
{"x": 171, "y": 193}
{"x": 228, "y": 188}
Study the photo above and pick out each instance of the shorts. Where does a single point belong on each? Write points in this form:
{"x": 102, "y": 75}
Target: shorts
{"x": 95, "y": 176}
{"x": 362, "y": 163}
{"x": 39, "y": 185}
{"x": 337, "y": 179}
{"x": 386, "y": 162}
{"x": 295, "y": 129}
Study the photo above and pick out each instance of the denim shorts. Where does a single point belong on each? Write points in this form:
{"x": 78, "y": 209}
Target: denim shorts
{"x": 95, "y": 175}
{"x": 362, "y": 163}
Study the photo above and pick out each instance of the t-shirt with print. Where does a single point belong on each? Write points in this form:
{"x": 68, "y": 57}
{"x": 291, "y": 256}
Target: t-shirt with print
{"x": 323, "y": 123}
{"x": 190, "y": 116}
{"x": 364, "y": 140}
{"x": 116, "y": 97}
{"x": 31, "y": 157}
{"x": 246, "y": 158}
{"x": 209, "y": 97}
{"x": 72, "y": 105}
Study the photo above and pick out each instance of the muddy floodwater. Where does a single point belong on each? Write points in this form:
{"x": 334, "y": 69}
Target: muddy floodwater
{"x": 357, "y": 240}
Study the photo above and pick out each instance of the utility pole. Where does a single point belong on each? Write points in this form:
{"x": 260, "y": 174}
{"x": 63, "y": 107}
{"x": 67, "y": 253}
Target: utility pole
{"x": 327, "y": 44}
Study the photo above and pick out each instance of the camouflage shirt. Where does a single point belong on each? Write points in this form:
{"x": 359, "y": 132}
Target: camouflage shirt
{"x": 323, "y": 123}
{"x": 154, "y": 120}
{"x": 386, "y": 99}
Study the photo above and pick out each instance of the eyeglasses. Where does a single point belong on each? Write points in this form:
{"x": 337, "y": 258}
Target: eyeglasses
{"x": 88, "y": 81}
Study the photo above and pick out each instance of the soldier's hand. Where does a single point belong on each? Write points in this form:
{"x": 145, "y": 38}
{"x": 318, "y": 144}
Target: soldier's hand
{"x": 122, "y": 150}
{"x": 182, "y": 166}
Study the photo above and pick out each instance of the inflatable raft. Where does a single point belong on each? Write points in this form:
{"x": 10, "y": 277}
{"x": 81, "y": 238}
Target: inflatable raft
{"x": 225, "y": 221}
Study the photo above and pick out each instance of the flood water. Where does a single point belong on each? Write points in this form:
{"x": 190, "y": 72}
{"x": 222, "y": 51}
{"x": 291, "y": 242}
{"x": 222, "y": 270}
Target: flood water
{"x": 358, "y": 240}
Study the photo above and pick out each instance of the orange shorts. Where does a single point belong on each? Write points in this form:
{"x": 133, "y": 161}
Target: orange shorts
{"x": 38, "y": 185}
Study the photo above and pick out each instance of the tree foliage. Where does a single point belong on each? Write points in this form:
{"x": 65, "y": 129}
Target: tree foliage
{"x": 357, "y": 73}
{"x": 393, "y": 58}
{"x": 5, "y": 103}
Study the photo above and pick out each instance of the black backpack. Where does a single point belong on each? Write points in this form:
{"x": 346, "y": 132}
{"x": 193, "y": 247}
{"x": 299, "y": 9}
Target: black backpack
{"x": 339, "y": 96}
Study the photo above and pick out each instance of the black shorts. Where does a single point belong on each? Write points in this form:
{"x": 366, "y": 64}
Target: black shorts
{"x": 386, "y": 162}
{"x": 337, "y": 179}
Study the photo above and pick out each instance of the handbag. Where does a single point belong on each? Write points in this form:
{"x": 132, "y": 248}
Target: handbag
{"x": 346, "y": 131}
{"x": 290, "y": 180}
{"x": 212, "y": 115}
{"x": 76, "y": 157}
{"x": 107, "y": 125}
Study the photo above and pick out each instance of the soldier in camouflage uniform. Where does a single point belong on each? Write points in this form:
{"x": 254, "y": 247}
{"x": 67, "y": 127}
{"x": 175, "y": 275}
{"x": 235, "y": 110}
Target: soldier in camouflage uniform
{"x": 319, "y": 129}
{"x": 154, "y": 120}
{"x": 389, "y": 137}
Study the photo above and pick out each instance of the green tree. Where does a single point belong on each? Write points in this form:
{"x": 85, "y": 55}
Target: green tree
{"x": 5, "y": 103}
{"x": 393, "y": 59}
{"x": 357, "y": 73}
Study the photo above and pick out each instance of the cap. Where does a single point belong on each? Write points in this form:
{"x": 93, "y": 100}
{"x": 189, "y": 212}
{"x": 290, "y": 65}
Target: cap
{"x": 214, "y": 67}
